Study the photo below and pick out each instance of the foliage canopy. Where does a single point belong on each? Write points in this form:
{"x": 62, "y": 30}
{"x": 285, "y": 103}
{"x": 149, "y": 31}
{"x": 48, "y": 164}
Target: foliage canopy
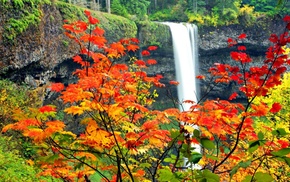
{"x": 125, "y": 140}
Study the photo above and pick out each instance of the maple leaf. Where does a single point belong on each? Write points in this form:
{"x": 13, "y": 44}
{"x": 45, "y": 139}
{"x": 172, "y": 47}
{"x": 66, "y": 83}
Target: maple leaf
{"x": 37, "y": 134}
{"x": 47, "y": 109}
{"x": 200, "y": 77}
{"x": 87, "y": 155}
{"x": 56, "y": 87}
{"x": 68, "y": 27}
{"x": 125, "y": 41}
{"x": 242, "y": 48}
{"x": 150, "y": 125}
{"x": 75, "y": 110}
{"x": 98, "y": 40}
{"x": 135, "y": 40}
{"x": 242, "y": 36}
{"x": 151, "y": 61}
{"x": 140, "y": 63}
{"x": 173, "y": 82}
{"x": 152, "y": 48}
{"x": 276, "y": 107}
{"x": 231, "y": 42}
{"x": 145, "y": 53}
{"x": 87, "y": 12}
{"x": 132, "y": 47}
{"x": 286, "y": 18}
{"x": 233, "y": 96}
{"x": 81, "y": 26}
{"x": 7, "y": 127}
{"x": 93, "y": 20}
{"x": 118, "y": 47}
{"x": 98, "y": 31}
{"x": 260, "y": 110}
{"x": 78, "y": 59}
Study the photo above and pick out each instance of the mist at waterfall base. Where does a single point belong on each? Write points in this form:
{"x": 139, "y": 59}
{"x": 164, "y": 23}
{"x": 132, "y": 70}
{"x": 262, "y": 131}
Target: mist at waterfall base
{"x": 185, "y": 49}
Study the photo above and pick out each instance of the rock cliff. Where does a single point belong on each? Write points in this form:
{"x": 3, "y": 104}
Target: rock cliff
{"x": 40, "y": 52}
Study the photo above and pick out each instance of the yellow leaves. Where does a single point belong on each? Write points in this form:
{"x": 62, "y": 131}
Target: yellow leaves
{"x": 74, "y": 110}
{"x": 189, "y": 128}
{"x": 37, "y": 134}
{"x": 89, "y": 156}
{"x": 97, "y": 137}
{"x": 7, "y": 127}
{"x": 115, "y": 111}
{"x": 54, "y": 126}
{"x": 131, "y": 87}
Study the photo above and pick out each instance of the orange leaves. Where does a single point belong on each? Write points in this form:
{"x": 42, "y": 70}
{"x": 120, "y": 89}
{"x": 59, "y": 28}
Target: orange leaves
{"x": 132, "y": 47}
{"x": 96, "y": 137}
{"x": 47, "y": 109}
{"x": 37, "y": 134}
{"x": 74, "y": 93}
{"x": 56, "y": 87}
{"x": 260, "y": 110}
{"x": 79, "y": 60}
{"x": 173, "y": 82}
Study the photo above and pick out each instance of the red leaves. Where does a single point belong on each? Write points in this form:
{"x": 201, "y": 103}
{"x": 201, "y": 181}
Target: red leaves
{"x": 56, "y": 87}
{"x": 240, "y": 56}
{"x": 200, "y": 77}
{"x": 242, "y": 36}
{"x": 276, "y": 107}
{"x": 233, "y": 96}
{"x": 145, "y": 53}
{"x": 93, "y": 20}
{"x": 173, "y": 82}
{"x": 286, "y": 18}
{"x": 273, "y": 38}
{"x": 231, "y": 42}
{"x": 152, "y": 48}
{"x": 132, "y": 47}
{"x": 47, "y": 109}
{"x": 151, "y": 61}
{"x": 140, "y": 63}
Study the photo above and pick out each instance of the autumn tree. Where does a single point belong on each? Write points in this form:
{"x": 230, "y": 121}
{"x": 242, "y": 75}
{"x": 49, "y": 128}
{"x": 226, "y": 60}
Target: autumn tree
{"x": 124, "y": 140}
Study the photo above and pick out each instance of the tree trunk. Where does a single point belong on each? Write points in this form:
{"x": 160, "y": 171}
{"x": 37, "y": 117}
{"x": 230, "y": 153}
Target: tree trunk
{"x": 108, "y": 4}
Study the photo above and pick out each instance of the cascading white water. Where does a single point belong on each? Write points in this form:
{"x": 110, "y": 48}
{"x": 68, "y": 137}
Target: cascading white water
{"x": 184, "y": 37}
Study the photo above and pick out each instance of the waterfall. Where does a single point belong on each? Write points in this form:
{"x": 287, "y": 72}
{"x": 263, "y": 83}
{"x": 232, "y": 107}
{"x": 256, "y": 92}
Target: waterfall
{"x": 185, "y": 48}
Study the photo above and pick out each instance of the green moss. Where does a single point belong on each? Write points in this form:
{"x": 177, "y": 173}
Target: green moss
{"x": 116, "y": 27}
{"x": 70, "y": 12}
{"x": 22, "y": 14}
{"x": 65, "y": 43}
{"x": 113, "y": 23}
{"x": 153, "y": 33}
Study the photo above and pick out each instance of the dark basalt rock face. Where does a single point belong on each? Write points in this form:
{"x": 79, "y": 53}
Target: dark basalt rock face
{"x": 213, "y": 48}
{"x": 37, "y": 50}
{"x": 42, "y": 53}
{"x": 37, "y": 55}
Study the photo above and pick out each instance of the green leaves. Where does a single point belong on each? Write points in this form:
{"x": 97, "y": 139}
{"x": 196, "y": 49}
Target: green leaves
{"x": 166, "y": 174}
{"x": 240, "y": 165}
{"x": 206, "y": 143}
{"x": 281, "y": 152}
{"x": 208, "y": 176}
{"x": 259, "y": 177}
{"x": 195, "y": 158}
